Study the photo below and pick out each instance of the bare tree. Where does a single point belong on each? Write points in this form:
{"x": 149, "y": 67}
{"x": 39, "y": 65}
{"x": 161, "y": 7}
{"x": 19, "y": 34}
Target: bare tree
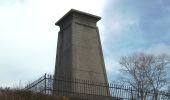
{"x": 145, "y": 72}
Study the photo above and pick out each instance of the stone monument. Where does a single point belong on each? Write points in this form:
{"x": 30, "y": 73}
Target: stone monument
{"x": 79, "y": 51}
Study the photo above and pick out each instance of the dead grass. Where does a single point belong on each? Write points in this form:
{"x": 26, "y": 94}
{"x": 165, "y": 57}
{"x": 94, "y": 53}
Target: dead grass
{"x": 8, "y": 94}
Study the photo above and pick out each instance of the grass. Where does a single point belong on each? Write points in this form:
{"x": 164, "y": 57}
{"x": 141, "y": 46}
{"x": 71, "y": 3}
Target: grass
{"x": 17, "y": 94}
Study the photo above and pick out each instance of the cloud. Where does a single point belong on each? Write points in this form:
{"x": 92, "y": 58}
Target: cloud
{"x": 112, "y": 68}
{"x": 133, "y": 26}
{"x": 11, "y": 2}
{"x": 28, "y": 36}
{"x": 161, "y": 48}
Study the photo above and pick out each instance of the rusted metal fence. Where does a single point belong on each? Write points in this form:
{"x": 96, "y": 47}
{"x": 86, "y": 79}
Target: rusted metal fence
{"x": 91, "y": 89}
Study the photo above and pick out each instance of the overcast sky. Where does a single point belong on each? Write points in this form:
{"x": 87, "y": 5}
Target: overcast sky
{"x": 28, "y": 36}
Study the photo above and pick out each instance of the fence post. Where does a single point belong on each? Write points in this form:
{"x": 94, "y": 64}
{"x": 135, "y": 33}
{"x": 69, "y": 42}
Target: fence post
{"x": 45, "y": 87}
{"x": 132, "y": 92}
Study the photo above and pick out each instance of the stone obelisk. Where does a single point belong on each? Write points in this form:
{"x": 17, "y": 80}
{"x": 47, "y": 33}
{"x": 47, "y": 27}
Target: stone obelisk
{"x": 79, "y": 51}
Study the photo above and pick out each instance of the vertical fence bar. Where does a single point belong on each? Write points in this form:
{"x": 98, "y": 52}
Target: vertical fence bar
{"x": 131, "y": 93}
{"x": 45, "y": 87}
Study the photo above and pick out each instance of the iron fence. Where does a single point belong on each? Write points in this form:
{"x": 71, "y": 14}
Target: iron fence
{"x": 90, "y": 89}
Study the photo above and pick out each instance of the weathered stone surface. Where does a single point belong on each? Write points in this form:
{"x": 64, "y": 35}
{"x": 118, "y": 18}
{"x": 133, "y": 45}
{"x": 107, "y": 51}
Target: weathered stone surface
{"x": 79, "y": 52}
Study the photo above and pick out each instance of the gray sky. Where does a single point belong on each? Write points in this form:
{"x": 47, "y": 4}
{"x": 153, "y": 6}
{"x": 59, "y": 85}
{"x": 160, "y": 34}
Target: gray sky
{"x": 28, "y": 36}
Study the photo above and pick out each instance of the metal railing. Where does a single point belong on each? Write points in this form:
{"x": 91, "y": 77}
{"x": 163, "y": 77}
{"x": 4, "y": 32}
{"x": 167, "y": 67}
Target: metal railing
{"x": 43, "y": 85}
{"x": 90, "y": 89}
